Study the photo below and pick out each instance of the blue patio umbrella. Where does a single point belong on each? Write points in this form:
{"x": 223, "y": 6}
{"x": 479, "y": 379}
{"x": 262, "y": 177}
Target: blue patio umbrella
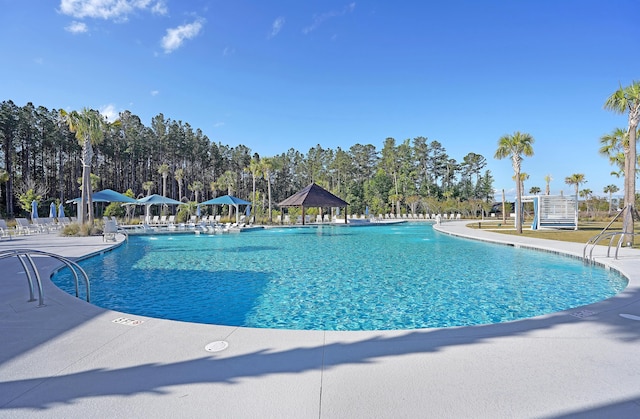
{"x": 107, "y": 195}
{"x": 247, "y": 212}
{"x": 156, "y": 199}
{"x": 52, "y": 210}
{"x": 227, "y": 200}
{"x": 61, "y": 211}
{"x": 198, "y": 213}
{"x": 34, "y": 209}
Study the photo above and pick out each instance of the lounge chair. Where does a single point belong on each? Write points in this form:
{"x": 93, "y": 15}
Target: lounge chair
{"x": 110, "y": 230}
{"x": 4, "y": 230}
{"x": 23, "y": 227}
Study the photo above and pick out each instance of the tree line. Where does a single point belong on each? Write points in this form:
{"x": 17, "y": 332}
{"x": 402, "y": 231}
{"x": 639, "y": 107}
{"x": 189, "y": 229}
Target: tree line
{"x": 41, "y": 153}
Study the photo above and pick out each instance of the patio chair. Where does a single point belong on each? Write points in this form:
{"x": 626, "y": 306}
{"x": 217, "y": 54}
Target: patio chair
{"x": 23, "y": 227}
{"x": 110, "y": 230}
{"x": 4, "y": 230}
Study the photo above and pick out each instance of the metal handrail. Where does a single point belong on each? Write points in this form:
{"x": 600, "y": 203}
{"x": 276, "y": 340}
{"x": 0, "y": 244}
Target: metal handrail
{"x": 612, "y": 234}
{"x": 604, "y": 234}
{"x": 23, "y": 254}
{"x": 124, "y": 232}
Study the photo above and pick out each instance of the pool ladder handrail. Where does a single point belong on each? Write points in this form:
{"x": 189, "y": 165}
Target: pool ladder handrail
{"x": 593, "y": 241}
{"x": 25, "y": 254}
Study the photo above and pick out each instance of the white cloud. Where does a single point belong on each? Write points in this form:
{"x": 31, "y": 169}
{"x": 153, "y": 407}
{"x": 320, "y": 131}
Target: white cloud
{"x": 319, "y": 19}
{"x": 277, "y": 26}
{"x": 159, "y": 8}
{"x": 77, "y": 27}
{"x": 175, "y": 37}
{"x": 110, "y": 9}
{"x": 109, "y": 111}
{"x": 155, "y": 92}
{"x": 218, "y": 124}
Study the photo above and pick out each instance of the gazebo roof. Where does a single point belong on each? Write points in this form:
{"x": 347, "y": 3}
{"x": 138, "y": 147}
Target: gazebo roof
{"x": 313, "y": 196}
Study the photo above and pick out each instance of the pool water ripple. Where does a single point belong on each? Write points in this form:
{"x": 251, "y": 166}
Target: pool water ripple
{"x": 339, "y": 278}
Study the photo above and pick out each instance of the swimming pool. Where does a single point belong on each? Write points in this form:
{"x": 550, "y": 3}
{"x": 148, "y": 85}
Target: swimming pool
{"x": 338, "y": 278}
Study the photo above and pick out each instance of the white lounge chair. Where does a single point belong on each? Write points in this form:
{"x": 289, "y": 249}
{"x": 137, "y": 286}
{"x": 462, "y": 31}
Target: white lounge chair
{"x": 4, "y": 230}
{"x": 23, "y": 227}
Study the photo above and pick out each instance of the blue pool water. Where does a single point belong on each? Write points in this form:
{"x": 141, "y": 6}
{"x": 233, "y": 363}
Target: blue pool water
{"x": 338, "y": 278}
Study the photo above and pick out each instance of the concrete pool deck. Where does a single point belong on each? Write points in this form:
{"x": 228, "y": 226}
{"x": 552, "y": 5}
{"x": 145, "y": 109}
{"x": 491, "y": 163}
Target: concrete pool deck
{"x": 70, "y": 359}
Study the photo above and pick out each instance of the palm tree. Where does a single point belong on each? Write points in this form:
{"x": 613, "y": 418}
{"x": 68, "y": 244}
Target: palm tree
{"x": 575, "y": 179}
{"x": 610, "y": 189}
{"x": 523, "y": 176}
{"x": 163, "y": 169}
{"x": 516, "y": 146}
{"x": 148, "y": 186}
{"x": 196, "y": 187}
{"x": 547, "y": 180}
{"x": 179, "y": 176}
{"x": 534, "y": 190}
{"x": 267, "y": 165}
{"x": 88, "y": 125}
{"x": 623, "y": 100}
{"x": 586, "y": 194}
{"x": 254, "y": 169}
{"x": 613, "y": 146}
{"x": 228, "y": 181}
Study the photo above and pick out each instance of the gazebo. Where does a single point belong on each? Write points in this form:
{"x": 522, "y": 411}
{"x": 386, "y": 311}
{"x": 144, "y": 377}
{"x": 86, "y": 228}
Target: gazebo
{"x": 314, "y": 196}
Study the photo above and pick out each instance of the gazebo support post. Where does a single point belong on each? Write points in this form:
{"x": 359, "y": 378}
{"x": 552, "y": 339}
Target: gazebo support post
{"x": 345, "y": 215}
{"x": 302, "y": 214}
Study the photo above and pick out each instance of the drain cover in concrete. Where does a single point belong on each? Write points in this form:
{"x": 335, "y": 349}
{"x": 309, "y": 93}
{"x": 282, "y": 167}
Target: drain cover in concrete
{"x": 128, "y": 322}
{"x": 217, "y": 346}
{"x": 583, "y": 313}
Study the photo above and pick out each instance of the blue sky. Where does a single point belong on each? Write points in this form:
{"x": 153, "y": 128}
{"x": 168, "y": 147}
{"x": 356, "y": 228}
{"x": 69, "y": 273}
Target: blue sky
{"x": 275, "y": 75}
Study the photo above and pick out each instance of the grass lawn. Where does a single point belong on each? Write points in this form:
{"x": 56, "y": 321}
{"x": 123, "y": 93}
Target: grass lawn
{"x": 586, "y": 230}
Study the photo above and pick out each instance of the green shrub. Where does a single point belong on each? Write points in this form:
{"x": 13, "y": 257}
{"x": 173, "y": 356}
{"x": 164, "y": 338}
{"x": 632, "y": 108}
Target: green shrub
{"x": 114, "y": 209}
{"x": 71, "y": 230}
{"x": 83, "y": 230}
